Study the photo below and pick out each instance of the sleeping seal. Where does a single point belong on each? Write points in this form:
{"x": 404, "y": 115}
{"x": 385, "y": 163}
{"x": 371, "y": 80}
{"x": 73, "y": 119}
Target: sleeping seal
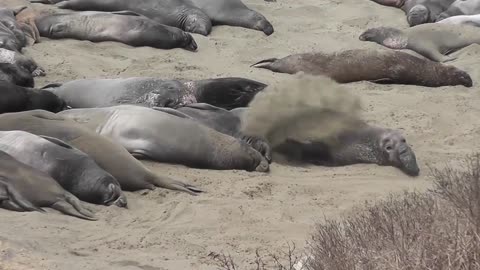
{"x": 151, "y": 134}
{"x": 461, "y": 7}
{"x": 154, "y": 92}
{"x": 72, "y": 169}
{"x": 23, "y": 188}
{"x": 123, "y": 26}
{"x": 431, "y": 40}
{"x": 379, "y": 66}
{"x": 177, "y": 13}
{"x": 113, "y": 158}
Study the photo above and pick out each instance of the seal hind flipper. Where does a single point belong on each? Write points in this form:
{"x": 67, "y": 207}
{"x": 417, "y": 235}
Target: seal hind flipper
{"x": 11, "y": 194}
{"x": 172, "y": 112}
{"x": 204, "y": 106}
{"x": 266, "y": 62}
{"x": 168, "y": 183}
{"x": 72, "y": 207}
{"x": 57, "y": 141}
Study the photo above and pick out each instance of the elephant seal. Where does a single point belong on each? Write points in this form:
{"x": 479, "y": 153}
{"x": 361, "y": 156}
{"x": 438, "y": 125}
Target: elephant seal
{"x": 380, "y": 66}
{"x": 72, "y": 169}
{"x": 113, "y": 158}
{"x": 461, "y": 7}
{"x": 431, "y": 40}
{"x": 23, "y": 188}
{"x": 234, "y": 13}
{"x": 419, "y": 11}
{"x": 154, "y": 92}
{"x": 18, "y": 69}
{"x": 26, "y": 20}
{"x": 364, "y": 144}
{"x": 11, "y": 34}
{"x": 177, "y": 13}
{"x": 165, "y": 137}
{"x": 122, "y": 26}
{"x": 473, "y": 20}
{"x": 17, "y": 98}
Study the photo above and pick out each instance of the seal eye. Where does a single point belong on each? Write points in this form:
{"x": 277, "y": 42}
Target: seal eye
{"x": 389, "y": 148}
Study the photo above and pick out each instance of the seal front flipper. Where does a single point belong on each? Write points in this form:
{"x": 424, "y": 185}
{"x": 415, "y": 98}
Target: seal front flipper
{"x": 168, "y": 183}
{"x": 45, "y": 115}
{"x": 127, "y": 12}
{"x": 204, "y": 106}
{"x": 15, "y": 199}
{"x": 70, "y": 205}
{"x": 172, "y": 112}
{"x": 57, "y": 141}
{"x": 52, "y": 85}
{"x": 265, "y": 63}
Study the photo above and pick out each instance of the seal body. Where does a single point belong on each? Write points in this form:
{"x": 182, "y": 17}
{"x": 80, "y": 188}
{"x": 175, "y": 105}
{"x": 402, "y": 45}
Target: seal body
{"x": 434, "y": 41}
{"x": 461, "y": 7}
{"x": 234, "y": 13}
{"x": 123, "y": 26}
{"x": 18, "y": 69}
{"x": 23, "y": 188}
{"x": 17, "y": 98}
{"x": 111, "y": 157}
{"x": 177, "y": 13}
{"x": 473, "y": 20}
{"x": 379, "y": 66}
{"x": 154, "y": 92}
{"x": 168, "y": 138}
{"x": 72, "y": 169}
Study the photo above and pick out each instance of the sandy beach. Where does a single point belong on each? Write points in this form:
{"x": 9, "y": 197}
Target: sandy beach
{"x": 242, "y": 211}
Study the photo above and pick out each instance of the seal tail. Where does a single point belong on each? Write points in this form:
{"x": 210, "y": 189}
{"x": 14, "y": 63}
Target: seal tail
{"x": 168, "y": 183}
{"x": 71, "y": 206}
{"x": 264, "y": 63}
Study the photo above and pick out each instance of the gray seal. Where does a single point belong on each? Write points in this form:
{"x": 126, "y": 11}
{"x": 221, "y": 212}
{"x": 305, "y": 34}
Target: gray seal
{"x": 177, "y": 13}
{"x": 433, "y": 40}
{"x": 72, "y": 169}
{"x": 23, "y": 188}
{"x": 122, "y": 26}
{"x": 165, "y": 137}
{"x": 11, "y": 35}
{"x": 112, "y": 157}
{"x": 461, "y": 7}
{"x": 380, "y": 66}
{"x": 17, "y": 98}
{"x": 419, "y": 11}
{"x": 234, "y": 13}
{"x": 227, "y": 93}
{"x": 18, "y": 69}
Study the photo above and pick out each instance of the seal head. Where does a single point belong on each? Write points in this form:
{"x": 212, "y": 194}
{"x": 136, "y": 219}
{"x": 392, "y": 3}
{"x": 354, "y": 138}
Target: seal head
{"x": 397, "y": 153}
{"x": 387, "y": 36}
{"x": 418, "y": 14}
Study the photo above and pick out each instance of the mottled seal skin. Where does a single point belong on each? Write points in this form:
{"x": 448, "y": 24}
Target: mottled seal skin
{"x": 472, "y": 20}
{"x": 18, "y": 69}
{"x": 17, "y": 98}
{"x": 380, "y": 66}
{"x": 72, "y": 169}
{"x": 434, "y": 41}
{"x": 234, "y": 13}
{"x": 164, "y": 137}
{"x": 110, "y": 156}
{"x": 23, "y": 188}
{"x": 123, "y": 26}
{"x": 419, "y": 11}
{"x": 177, "y": 13}
{"x": 461, "y": 7}
{"x": 363, "y": 144}
{"x": 154, "y": 92}
{"x": 223, "y": 121}
{"x": 11, "y": 34}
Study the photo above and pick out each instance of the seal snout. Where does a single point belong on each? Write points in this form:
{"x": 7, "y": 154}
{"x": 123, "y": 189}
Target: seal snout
{"x": 408, "y": 162}
{"x": 264, "y": 166}
{"x": 116, "y": 196}
{"x": 191, "y": 45}
{"x": 265, "y": 26}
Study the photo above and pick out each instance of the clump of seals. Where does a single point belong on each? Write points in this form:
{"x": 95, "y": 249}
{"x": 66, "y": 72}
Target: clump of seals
{"x": 177, "y": 13}
{"x": 419, "y": 11}
{"x": 230, "y": 92}
{"x": 72, "y": 169}
{"x": 122, "y": 26}
{"x": 17, "y": 98}
{"x": 18, "y": 69}
{"x": 434, "y": 41}
{"x": 23, "y": 188}
{"x": 378, "y": 66}
{"x": 461, "y": 7}
{"x": 234, "y": 13}
{"x": 113, "y": 158}
{"x": 165, "y": 137}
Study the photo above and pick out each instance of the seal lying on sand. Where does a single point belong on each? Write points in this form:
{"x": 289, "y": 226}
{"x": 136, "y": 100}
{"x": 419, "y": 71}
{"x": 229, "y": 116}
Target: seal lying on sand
{"x": 11, "y": 34}
{"x": 150, "y": 134}
{"x": 177, "y": 13}
{"x": 26, "y": 20}
{"x": 154, "y": 92}
{"x": 23, "y": 188}
{"x": 461, "y": 7}
{"x": 370, "y": 65}
{"x": 16, "y": 98}
{"x": 111, "y": 157}
{"x": 122, "y": 26}
{"x": 18, "y": 69}
{"x": 419, "y": 11}
{"x": 431, "y": 40}
{"x": 473, "y": 20}
{"x": 72, "y": 169}
{"x": 234, "y": 13}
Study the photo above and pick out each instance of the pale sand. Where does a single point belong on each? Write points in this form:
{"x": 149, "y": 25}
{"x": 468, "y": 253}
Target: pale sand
{"x": 242, "y": 211}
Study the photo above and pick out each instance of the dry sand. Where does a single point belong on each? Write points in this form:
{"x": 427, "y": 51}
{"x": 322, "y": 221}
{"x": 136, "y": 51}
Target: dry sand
{"x": 243, "y": 211}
